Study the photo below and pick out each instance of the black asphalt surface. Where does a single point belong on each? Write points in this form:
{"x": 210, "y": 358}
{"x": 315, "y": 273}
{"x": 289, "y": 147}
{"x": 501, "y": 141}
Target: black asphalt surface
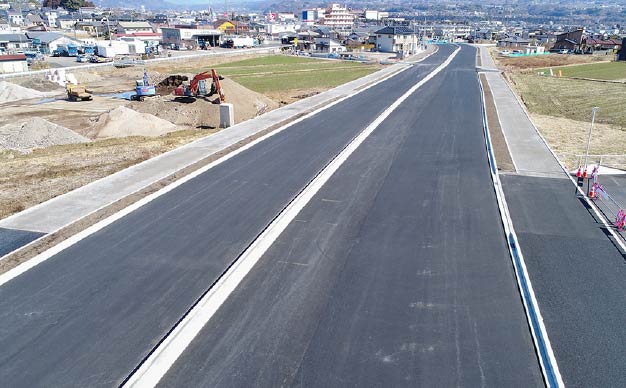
{"x": 578, "y": 276}
{"x": 90, "y": 314}
{"x": 395, "y": 274}
{"x": 12, "y": 239}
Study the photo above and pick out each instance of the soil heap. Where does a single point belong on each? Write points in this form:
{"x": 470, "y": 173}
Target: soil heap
{"x": 10, "y": 92}
{"x": 122, "y": 122}
{"x": 36, "y": 133}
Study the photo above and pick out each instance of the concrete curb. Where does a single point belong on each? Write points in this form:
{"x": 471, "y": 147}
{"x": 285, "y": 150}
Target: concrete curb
{"x": 549, "y": 367}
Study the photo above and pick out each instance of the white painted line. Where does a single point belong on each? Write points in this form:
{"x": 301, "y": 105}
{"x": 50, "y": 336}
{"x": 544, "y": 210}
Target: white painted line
{"x": 40, "y": 258}
{"x": 163, "y": 357}
{"x": 548, "y": 363}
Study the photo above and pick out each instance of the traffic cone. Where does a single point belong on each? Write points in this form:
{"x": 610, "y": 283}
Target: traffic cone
{"x": 579, "y": 173}
{"x": 585, "y": 173}
{"x": 592, "y": 193}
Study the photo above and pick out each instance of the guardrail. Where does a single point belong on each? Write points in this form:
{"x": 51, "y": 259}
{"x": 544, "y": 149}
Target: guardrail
{"x": 261, "y": 50}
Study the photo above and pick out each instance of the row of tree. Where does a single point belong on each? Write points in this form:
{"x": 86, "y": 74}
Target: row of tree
{"x": 70, "y": 5}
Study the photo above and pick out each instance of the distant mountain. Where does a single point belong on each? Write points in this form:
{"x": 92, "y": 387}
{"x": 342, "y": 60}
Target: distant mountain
{"x": 164, "y": 4}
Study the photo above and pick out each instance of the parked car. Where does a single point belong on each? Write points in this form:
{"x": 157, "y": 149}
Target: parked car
{"x": 82, "y": 58}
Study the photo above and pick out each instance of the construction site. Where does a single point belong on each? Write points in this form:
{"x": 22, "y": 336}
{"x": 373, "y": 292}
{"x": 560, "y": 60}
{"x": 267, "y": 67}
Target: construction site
{"x": 63, "y": 129}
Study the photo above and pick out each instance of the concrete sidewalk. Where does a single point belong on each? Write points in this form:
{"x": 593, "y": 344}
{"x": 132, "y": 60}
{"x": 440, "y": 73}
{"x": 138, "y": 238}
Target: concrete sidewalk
{"x": 54, "y": 214}
{"x": 531, "y": 156}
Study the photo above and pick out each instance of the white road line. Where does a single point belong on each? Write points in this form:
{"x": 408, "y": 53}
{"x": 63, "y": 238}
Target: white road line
{"x": 40, "y": 258}
{"x": 164, "y": 356}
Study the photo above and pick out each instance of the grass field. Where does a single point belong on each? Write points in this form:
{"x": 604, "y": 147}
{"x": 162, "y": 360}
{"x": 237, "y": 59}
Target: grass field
{"x": 603, "y": 71}
{"x": 572, "y": 99}
{"x": 279, "y": 72}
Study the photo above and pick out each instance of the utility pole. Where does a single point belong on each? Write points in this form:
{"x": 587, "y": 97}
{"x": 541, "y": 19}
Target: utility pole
{"x": 593, "y": 119}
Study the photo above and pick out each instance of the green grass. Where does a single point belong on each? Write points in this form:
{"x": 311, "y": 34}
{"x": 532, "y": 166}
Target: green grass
{"x": 573, "y": 99}
{"x": 279, "y": 72}
{"x": 603, "y": 71}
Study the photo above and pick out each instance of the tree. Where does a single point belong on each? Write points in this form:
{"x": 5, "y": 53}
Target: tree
{"x": 70, "y": 5}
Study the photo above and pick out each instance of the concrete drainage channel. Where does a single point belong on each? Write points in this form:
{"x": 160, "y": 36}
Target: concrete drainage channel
{"x": 49, "y": 240}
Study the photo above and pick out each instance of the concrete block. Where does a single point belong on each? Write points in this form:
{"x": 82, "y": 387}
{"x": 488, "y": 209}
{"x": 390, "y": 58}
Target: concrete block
{"x": 227, "y": 115}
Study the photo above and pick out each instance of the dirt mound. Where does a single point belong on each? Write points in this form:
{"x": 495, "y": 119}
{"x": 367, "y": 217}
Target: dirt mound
{"x": 201, "y": 113}
{"x": 170, "y": 83}
{"x": 40, "y": 84}
{"x": 36, "y": 133}
{"x": 122, "y": 122}
{"x": 11, "y": 92}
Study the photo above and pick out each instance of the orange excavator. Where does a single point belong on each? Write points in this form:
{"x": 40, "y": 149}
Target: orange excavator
{"x": 198, "y": 87}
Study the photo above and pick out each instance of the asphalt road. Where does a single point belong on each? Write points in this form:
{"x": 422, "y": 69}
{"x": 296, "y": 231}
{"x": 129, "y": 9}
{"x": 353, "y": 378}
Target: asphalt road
{"x": 578, "y": 276}
{"x": 395, "y": 274}
{"x": 89, "y": 314}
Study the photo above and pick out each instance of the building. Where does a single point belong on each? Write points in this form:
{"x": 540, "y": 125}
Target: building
{"x": 513, "y": 42}
{"x": 14, "y": 42}
{"x": 47, "y": 42}
{"x": 13, "y": 63}
{"x": 372, "y": 15}
{"x": 190, "y": 37}
{"x": 338, "y": 17}
{"x": 328, "y": 45}
{"x": 592, "y": 45}
{"x": 312, "y": 15}
{"x": 133, "y": 27}
{"x": 571, "y": 41}
{"x": 397, "y": 39}
{"x": 66, "y": 22}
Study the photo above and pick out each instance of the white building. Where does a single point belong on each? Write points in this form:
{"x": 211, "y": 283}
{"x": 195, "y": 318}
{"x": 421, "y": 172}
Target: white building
{"x": 13, "y": 63}
{"x": 375, "y": 15}
{"x": 337, "y": 16}
{"x": 328, "y": 45}
{"x": 312, "y": 15}
{"x": 133, "y": 27}
{"x": 190, "y": 37}
{"x": 397, "y": 40}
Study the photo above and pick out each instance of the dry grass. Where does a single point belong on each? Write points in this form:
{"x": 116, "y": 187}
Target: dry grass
{"x": 572, "y": 99}
{"x": 568, "y": 139}
{"x": 523, "y": 63}
{"x": 27, "y": 180}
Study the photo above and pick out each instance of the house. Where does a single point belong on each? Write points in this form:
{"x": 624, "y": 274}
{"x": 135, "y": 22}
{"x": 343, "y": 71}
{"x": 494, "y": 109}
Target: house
{"x": 66, "y": 22}
{"x": 34, "y": 19}
{"x": 50, "y": 18}
{"x": 4, "y": 25}
{"x": 13, "y": 63}
{"x": 328, "y": 45}
{"x": 14, "y": 42}
{"x": 15, "y": 17}
{"x": 513, "y": 42}
{"x": 571, "y": 41}
{"x": 133, "y": 27}
{"x": 591, "y": 45}
{"x": 396, "y": 39}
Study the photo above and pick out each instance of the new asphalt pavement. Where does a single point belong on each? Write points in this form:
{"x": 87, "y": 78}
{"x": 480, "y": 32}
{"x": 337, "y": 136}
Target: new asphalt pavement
{"x": 396, "y": 273}
{"x": 88, "y": 315}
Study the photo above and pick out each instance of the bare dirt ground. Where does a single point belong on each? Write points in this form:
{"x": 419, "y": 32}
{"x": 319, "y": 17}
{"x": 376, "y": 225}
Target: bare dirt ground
{"x": 536, "y": 62}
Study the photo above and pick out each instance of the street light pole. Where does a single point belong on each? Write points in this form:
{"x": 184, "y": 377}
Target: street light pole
{"x": 593, "y": 119}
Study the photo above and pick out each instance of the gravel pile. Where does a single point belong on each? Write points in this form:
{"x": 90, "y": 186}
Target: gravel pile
{"x": 10, "y": 92}
{"x": 122, "y": 122}
{"x": 36, "y": 133}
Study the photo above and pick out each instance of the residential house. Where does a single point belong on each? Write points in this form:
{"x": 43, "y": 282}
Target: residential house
{"x": 328, "y": 45}
{"x": 397, "y": 39}
{"x": 13, "y": 63}
{"x": 513, "y": 42}
{"x": 66, "y": 22}
{"x": 15, "y": 17}
{"x": 14, "y": 42}
{"x": 571, "y": 41}
{"x": 4, "y": 25}
{"x": 591, "y": 45}
{"x": 50, "y": 18}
